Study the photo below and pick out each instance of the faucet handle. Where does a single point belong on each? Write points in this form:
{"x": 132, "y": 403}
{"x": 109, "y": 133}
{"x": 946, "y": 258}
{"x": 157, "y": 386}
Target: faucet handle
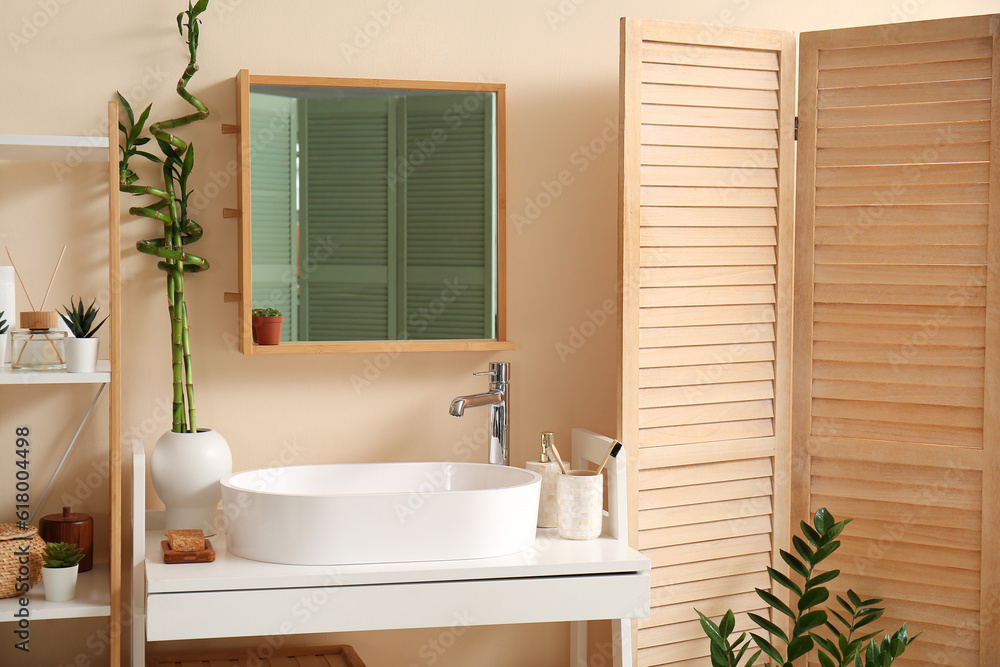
{"x": 499, "y": 371}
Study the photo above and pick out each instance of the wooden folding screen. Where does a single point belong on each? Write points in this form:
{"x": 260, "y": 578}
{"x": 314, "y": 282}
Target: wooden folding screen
{"x": 706, "y": 273}
{"x": 895, "y": 372}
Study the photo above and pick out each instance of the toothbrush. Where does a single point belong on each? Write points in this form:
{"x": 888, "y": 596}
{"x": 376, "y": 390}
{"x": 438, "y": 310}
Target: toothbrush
{"x": 555, "y": 452}
{"x": 613, "y": 451}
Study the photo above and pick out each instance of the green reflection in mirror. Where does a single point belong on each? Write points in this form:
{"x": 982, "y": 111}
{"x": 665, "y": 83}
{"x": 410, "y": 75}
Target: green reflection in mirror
{"x": 374, "y": 212}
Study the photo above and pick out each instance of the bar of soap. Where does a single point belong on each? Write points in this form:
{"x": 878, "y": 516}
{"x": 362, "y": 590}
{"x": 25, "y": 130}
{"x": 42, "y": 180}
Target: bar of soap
{"x": 186, "y": 540}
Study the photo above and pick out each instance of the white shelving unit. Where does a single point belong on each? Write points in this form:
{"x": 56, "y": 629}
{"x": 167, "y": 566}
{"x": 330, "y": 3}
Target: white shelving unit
{"x": 53, "y": 148}
{"x": 92, "y": 599}
{"x": 98, "y": 591}
{"x": 101, "y": 376}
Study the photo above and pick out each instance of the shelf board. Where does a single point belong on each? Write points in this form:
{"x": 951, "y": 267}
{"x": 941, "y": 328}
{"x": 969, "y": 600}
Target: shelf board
{"x": 101, "y": 376}
{"x": 53, "y": 148}
{"x": 93, "y": 598}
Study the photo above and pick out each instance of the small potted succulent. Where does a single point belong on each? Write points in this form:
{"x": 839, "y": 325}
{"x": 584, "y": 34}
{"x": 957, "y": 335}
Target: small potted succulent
{"x": 3, "y": 338}
{"x": 266, "y": 323}
{"x": 81, "y": 351}
{"x": 59, "y": 571}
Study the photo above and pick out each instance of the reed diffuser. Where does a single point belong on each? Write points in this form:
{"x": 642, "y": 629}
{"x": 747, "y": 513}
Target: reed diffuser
{"x": 38, "y": 346}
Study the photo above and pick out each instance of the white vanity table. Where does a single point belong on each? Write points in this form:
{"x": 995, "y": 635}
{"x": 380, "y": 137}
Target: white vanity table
{"x": 557, "y": 580}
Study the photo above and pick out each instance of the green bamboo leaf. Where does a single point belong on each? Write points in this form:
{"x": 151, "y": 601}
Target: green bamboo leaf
{"x": 813, "y": 597}
{"x": 140, "y": 124}
{"x": 821, "y": 579}
{"x": 766, "y": 647}
{"x": 773, "y": 602}
{"x": 200, "y": 7}
{"x": 127, "y": 106}
{"x": 784, "y": 581}
{"x": 799, "y": 647}
{"x": 180, "y": 24}
{"x": 150, "y": 156}
{"x": 795, "y": 564}
{"x": 769, "y": 626}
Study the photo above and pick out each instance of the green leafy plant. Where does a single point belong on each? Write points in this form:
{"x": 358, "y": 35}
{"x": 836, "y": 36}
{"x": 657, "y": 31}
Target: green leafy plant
{"x": 171, "y": 208}
{"x": 266, "y": 312}
{"x": 845, "y": 645}
{"x": 3, "y": 324}
{"x": 61, "y": 554}
{"x": 80, "y": 321}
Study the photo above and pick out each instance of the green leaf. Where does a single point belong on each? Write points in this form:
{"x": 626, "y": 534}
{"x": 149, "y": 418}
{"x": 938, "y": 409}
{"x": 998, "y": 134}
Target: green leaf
{"x": 711, "y": 629}
{"x": 823, "y": 520}
{"x": 868, "y": 618}
{"x": 813, "y": 597}
{"x": 795, "y": 564}
{"x": 821, "y": 579}
{"x": 837, "y": 529}
{"x": 824, "y": 551}
{"x": 128, "y": 108}
{"x": 775, "y": 603}
{"x": 811, "y": 535}
{"x": 784, "y": 581}
{"x": 180, "y": 24}
{"x": 752, "y": 659}
{"x": 853, "y": 597}
{"x": 803, "y": 549}
{"x": 843, "y": 621}
{"x": 766, "y": 647}
{"x": 799, "y": 647}
{"x": 769, "y": 626}
{"x": 808, "y": 621}
{"x": 825, "y": 660}
{"x": 199, "y": 8}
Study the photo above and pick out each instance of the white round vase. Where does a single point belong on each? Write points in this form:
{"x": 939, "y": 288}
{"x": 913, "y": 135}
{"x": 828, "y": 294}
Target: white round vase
{"x": 59, "y": 582}
{"x": 186, "y": 469}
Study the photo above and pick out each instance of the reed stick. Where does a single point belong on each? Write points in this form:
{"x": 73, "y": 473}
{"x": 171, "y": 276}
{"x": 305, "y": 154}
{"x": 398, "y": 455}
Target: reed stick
{"x": 53, "y": 278}
{"x": 20, "y": 279}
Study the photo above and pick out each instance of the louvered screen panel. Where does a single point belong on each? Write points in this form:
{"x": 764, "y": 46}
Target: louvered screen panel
{"x": 707, "y": 182}
{"x": 348, "y": 219}
{"x": 895, "y": 358}
{"x": 450, "y": 215}
{"x": 273, "y": 129}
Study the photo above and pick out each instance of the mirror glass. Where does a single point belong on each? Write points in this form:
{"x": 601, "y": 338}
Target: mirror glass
{"x": 374, "y": 210}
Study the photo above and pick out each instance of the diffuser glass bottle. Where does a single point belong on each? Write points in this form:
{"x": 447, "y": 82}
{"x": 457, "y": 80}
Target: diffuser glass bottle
{"x": 549, "y": 470}
{"x": 39, "y": 347}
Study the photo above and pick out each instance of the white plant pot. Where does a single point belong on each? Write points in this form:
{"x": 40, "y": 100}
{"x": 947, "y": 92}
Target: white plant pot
{"x": 59, "y": 582}
{"x": 81, "y": 354}
{"x": 186, "y": 469}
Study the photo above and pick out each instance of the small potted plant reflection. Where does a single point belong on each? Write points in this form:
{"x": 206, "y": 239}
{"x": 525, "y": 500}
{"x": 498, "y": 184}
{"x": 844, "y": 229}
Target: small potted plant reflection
{"x": 81, "y": 351}
{"x": 61, "y": 565}
{"x": 266, "y": 323}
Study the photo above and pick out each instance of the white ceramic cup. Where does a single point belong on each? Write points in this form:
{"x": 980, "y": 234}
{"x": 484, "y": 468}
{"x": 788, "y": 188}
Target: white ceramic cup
{"x": 580, "y": 497}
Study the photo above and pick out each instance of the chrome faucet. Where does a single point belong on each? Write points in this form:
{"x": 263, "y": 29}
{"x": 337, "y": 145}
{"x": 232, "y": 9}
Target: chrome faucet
{"x": 498, "y": 398}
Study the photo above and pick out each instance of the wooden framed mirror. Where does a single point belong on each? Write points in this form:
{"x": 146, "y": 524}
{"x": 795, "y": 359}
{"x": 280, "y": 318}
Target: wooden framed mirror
{"x": 372, "y": 213}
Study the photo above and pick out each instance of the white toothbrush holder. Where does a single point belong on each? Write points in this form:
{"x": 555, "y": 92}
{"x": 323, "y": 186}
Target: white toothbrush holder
{"x": 580, "y": 498}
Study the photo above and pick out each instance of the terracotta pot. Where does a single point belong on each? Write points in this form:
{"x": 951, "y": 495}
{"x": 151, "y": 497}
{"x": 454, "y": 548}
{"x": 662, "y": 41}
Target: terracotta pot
{"x": 267, "y": 330}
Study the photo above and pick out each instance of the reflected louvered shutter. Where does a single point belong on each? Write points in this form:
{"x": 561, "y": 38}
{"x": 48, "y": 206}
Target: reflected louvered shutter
{"x": 348, "y": 219}
{"x": 450, "y": 216}
{"x": 706, "y": 240}
{"x": 897, "y": 322}
{"x": 273, "y": 128}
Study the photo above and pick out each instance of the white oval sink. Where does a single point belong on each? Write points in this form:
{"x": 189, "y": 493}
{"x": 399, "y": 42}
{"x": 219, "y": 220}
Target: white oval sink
{"x": 345, "y": 514}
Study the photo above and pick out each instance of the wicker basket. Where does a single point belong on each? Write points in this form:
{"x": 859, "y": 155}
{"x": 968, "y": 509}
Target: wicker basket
{"x": 13, "y": 541}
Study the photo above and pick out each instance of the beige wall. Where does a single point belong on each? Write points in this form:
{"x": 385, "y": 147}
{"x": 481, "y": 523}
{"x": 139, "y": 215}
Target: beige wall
{"x": 60, "y": 60}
